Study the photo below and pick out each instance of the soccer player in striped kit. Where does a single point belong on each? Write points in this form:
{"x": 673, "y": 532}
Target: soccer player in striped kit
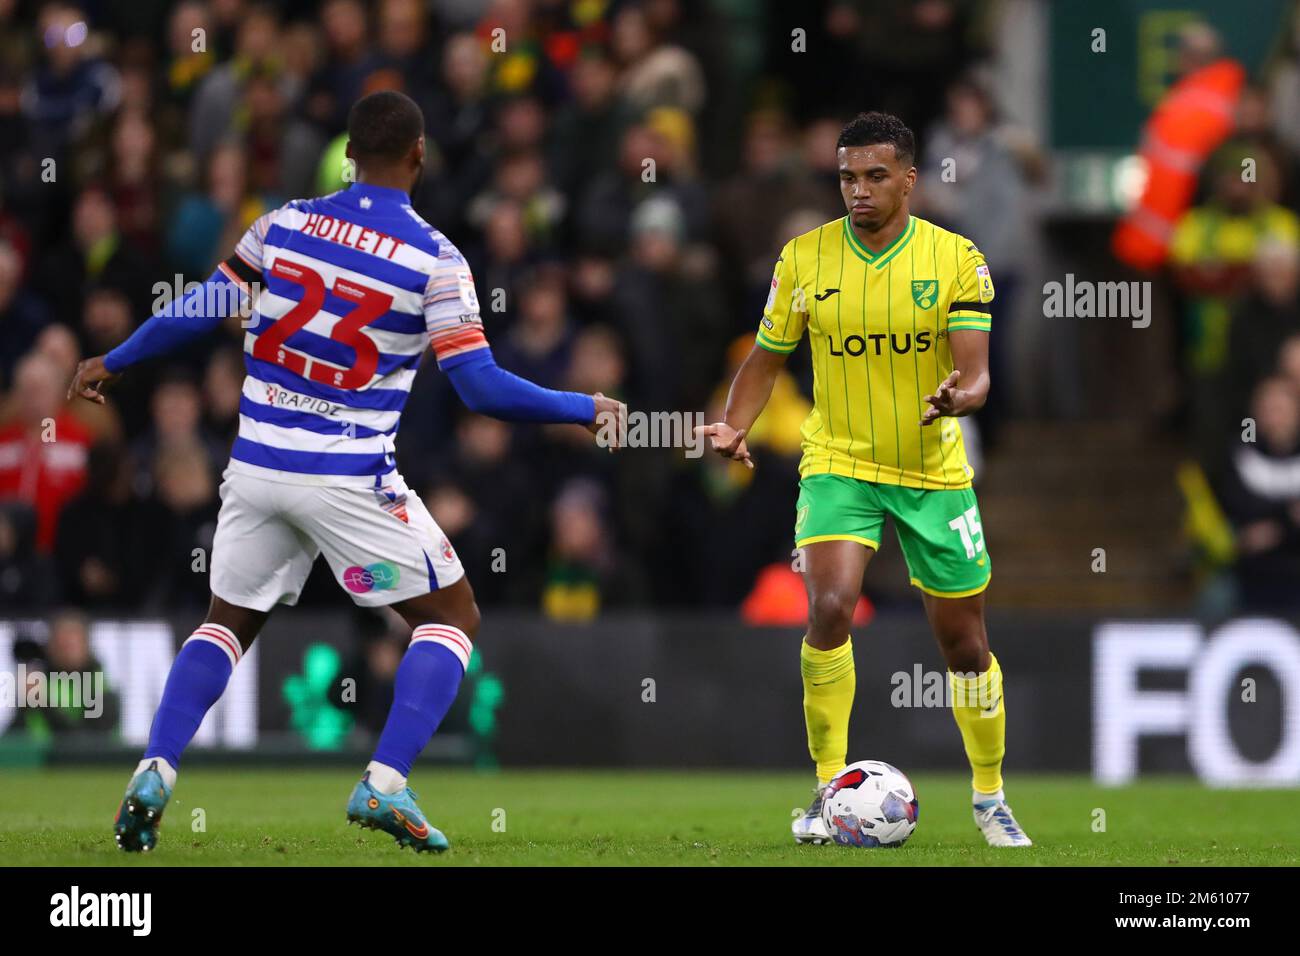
{"x": 897, "y": 311}
{"x": 347, "y": 291}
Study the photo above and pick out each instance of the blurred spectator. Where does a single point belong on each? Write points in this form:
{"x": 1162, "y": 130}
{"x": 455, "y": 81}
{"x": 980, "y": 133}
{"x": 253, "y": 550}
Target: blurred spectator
{"x": 43, "y": 448}
{"x": 1212, "y": 252}
{"x": 185, "y": 524}
{"x": 57, "y": 343}
{"x": 95, "y": 255}
{"x": 218, "y": 100}
{"x": 206, "y": 225}
{"x": 1284, "y": 89}
{"x": 456, "y": 119}
{"x": 78, "y": 698}
{"x": 586, "y": 130}
{"x": 189, "y": 28}
{"x": 663, "y": 302}
{"x": 25, "y": 581}
{"x": 177, "y": 423}
{"x": 341, "y": 79}
{"x": 282, "y": 149}
{"x": 749, "y": 207}
{"x": 1192, "y": 119}
{"x": 597, "y": 363}
{"x": 984, "y": 198}
{"x": 908, "y": 50}
{"x": 1262, "y": 499}
{"x": 655, "y": 72}
{"x": 71, "y": 88}
{"x": 585, "y": 571}
{"x": 1257, "y": 132}
{"x": 1265, "y": 318}
{"x": 644, "y": 170}
{"x": 107, "y": 321}
{"x": 104, "y": 548}
{"x": 537, "y": 346}
{"x": 485, "y": 486}
{"x": 22, "y": 313}
{"x": 133, "y": 178}
{"x": 223, "y": 387}
{"x": 521, "y": 178}
{"x": 403, "y": 40}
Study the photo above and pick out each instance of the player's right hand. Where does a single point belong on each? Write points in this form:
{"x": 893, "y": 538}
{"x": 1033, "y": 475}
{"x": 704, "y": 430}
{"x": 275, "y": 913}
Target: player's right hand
{"x": 89, "y": 379}
{"x": 610, "y": 422}
{"x": 727, "y": 442}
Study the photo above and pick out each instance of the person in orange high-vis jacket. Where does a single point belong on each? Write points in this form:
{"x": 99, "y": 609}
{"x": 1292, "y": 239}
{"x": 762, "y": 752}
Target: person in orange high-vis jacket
{"x": 1192, "y": 119}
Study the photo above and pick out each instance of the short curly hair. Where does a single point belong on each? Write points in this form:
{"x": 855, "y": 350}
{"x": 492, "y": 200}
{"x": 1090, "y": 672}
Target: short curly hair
{"x": 868, "y": 129}
{"x": 384, "y": 126}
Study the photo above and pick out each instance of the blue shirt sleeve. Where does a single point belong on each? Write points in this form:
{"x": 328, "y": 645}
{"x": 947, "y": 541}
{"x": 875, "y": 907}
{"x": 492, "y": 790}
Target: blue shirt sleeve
{"x": 488, "y": 389}
{"x": 193, "y": 315}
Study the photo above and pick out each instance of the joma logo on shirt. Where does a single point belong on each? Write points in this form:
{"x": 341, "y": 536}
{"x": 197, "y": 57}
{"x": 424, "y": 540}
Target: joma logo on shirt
{"x": 900, "y": 343}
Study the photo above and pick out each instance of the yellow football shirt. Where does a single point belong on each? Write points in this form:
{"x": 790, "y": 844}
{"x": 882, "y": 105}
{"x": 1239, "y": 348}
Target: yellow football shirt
{"x": 878, "y": 327}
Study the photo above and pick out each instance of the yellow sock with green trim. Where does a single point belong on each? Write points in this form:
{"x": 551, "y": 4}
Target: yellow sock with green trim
{"x": 828, "y": 684}
{"x": 982, "y": 719}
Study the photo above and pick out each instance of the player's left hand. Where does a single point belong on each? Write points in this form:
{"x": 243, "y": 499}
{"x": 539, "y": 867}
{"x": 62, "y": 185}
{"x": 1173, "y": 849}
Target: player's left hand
{"x": 89, "y": 379}
{"x": 947, "y": 400}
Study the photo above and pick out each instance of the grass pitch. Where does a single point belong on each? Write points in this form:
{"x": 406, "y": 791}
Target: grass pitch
{"x": 546, "y": 818}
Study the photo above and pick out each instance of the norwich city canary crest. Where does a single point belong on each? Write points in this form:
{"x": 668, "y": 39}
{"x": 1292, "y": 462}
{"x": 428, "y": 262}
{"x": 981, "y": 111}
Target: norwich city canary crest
{"x": 925, "y": 292}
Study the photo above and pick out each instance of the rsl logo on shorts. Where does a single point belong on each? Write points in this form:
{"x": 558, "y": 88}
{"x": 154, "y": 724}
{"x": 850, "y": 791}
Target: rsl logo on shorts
{"x": 380, "y": 576}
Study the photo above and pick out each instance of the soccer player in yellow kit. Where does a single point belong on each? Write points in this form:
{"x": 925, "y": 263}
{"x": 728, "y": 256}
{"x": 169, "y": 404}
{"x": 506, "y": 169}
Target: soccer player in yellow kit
{"x": 898, "y": 313}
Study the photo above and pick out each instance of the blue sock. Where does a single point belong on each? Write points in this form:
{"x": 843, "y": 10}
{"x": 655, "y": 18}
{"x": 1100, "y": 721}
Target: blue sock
{"x": 196, "y": 681}
{"x": 426, "y": 684}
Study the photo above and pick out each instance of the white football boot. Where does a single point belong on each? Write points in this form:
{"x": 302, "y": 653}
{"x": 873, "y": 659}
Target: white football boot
{"x": 810, "y": 828}
{"x": 999, "y": 827}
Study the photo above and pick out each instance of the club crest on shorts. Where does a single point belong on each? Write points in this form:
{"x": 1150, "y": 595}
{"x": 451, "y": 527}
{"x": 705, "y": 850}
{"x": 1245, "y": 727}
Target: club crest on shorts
{"x": 446, "y": 548}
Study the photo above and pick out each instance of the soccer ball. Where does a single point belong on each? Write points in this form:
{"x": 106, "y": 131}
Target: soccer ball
{"x": 870, "y": 803}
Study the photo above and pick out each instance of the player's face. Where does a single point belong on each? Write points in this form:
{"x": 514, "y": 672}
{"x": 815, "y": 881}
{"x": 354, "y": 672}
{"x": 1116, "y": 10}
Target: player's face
{"x": 874, "y": 184}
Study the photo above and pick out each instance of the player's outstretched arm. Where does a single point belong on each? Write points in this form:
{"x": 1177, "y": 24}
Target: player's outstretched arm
{"x": 966, "y": 389}
{"x": 488, "y": 389}
{"x": 750, "y": 390}
{"x": 180, "y": 321}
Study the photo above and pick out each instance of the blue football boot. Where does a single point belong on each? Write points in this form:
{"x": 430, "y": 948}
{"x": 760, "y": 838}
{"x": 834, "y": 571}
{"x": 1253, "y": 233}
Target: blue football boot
{"x": 136, "y": 823}
{"x": 396, "y": 814}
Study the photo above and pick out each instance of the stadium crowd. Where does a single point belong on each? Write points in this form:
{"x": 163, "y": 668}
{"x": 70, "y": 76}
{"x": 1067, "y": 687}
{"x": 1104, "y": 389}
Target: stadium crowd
{"x": 620, "y": 173}
{"x": 1234, "y": 265}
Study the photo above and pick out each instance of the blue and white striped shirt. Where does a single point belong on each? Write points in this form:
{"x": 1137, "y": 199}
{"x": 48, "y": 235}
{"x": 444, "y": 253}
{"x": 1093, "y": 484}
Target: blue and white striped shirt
{"x": 354, "y": 286}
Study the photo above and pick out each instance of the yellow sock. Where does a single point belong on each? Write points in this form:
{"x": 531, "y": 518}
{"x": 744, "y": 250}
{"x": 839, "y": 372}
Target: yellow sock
{"x": 982, "y": 719}
{"x": 828, "y": 684}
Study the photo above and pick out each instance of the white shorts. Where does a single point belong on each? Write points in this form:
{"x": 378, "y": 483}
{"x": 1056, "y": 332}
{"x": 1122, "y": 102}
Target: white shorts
{"x": 382, "y": 544}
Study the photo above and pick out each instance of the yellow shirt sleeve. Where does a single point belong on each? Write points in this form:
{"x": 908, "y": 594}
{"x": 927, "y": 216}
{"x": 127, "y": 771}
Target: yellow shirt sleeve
{"x": 1188, "y": 239}
{"x": 971, "y": 307}
{"x": 786, "y": 314}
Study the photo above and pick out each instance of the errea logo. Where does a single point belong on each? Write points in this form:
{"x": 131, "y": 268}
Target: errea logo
{"x": 76, "y": 909}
